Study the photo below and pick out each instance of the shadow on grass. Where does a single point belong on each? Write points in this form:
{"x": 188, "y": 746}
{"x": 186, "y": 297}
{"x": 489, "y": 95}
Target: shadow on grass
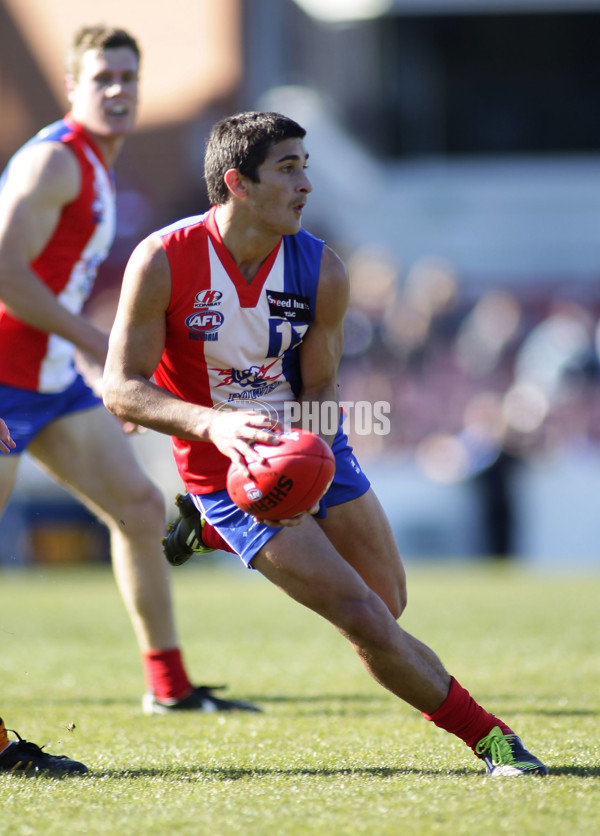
{"x": 577, "y": 771}
{"x": 236, "y": 773}
{"x": 316, "y": 701}
{"x": 547, "y": 705}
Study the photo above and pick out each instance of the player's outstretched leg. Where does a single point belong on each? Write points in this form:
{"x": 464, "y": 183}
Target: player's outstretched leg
{"x": 22, "y": 756}
{"x": 303, "y": 563}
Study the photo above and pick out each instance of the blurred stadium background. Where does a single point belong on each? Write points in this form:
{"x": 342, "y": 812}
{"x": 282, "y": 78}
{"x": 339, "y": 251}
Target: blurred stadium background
{"x": 455, "y": 158}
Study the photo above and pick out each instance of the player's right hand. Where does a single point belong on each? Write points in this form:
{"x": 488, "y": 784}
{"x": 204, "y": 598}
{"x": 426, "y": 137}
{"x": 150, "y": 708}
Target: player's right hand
{"x": 234, "y": 432}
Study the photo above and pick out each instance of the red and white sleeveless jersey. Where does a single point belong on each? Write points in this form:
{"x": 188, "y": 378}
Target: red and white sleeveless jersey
{"x": 230, "y": 343}
{"x": 33, "y": 359}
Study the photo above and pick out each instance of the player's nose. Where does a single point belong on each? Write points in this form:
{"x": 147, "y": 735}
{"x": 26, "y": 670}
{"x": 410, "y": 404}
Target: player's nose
{"x": 305, "y": 184}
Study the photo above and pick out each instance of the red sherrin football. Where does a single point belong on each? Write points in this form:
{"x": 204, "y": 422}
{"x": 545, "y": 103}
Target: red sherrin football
{"x": 295, "y": 476}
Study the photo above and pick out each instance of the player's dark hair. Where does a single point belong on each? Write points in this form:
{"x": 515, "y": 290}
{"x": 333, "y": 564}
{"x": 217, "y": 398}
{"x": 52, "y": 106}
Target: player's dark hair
{"x": 100, "y": 38}
{"x": 243, "y": 142}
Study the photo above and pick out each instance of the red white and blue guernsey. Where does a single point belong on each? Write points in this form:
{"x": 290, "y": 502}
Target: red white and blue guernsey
{"x": 31, "y": 359}
{"x": 230, "y": 343}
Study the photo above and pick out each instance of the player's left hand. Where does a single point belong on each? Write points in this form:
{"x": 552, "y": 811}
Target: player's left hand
{"x": 129, "y": 428}
{"x": 6, "y": 442}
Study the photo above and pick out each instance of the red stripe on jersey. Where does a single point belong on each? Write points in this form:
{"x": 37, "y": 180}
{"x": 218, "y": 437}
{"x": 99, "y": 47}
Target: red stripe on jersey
{"x": 182, "y": 369}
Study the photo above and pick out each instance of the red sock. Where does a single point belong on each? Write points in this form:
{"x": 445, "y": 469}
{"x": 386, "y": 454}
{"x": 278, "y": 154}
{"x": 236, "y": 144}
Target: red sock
{"x": 165, "y": 674}
{"x": 459, "y": 714}
{"x": 212, "y": 539}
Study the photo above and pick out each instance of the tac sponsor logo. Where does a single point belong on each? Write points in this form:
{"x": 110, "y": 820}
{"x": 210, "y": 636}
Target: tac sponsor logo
{"x": 290, "y": 306}
{"x": 208, "y": 298}
{"x": 205, "y": 321}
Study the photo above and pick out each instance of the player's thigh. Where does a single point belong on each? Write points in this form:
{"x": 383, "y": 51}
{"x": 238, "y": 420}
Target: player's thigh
{"x": 302, "y": 561}
{"x": 361, "y": 533}
{"x": 90, "y": 454}
{"x": 8, "y": 474}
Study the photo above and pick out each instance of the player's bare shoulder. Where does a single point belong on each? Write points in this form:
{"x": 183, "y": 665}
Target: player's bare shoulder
{"x": 148, "y": 269}
{"x": 334, "y": 286}
{"x": 48, "y": 170}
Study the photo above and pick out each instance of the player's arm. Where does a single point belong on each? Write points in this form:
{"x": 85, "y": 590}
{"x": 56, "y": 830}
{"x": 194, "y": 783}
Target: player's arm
{"x": 136, "y": 345}
{"x": 321, "y": 350}
{"x": 40, "y": 182}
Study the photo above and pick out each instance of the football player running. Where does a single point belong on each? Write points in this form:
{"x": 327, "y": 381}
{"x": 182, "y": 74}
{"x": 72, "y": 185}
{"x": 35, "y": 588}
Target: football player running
{"x": 172, "y": 370}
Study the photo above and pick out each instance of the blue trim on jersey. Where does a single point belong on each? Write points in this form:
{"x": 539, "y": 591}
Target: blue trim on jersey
{"x": 302, "y": 266}
{"x": 51, "y": 133}
{"x": 246, "y": 536}
{"x": 302, "y": 253}
{"x": 27, "y": 413}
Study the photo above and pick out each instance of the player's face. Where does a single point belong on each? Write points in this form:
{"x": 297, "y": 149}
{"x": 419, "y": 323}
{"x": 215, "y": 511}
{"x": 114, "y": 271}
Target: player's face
{"x": 278, "y": 199}
{"x": 105, "y": 96}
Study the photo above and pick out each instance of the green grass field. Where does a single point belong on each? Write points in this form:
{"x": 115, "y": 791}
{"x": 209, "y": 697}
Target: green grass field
{"x": 332, "y": 753}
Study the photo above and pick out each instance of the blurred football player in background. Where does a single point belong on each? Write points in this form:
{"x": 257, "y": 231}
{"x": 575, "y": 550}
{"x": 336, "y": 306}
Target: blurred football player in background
{"x": 57, "y": 223}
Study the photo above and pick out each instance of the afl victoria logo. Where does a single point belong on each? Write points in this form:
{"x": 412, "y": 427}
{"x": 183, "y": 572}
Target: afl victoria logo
{"x": 205, "y": 320}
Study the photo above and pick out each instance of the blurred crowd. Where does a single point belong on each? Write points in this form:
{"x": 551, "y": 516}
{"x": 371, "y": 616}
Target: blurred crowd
{"x": 472, "y": 380}
{"x": 469, "y": 374}
{"x": 478, "y": 381}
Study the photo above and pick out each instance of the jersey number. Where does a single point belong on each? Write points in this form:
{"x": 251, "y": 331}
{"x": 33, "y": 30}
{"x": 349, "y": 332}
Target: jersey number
{"x": 284, "y": 335}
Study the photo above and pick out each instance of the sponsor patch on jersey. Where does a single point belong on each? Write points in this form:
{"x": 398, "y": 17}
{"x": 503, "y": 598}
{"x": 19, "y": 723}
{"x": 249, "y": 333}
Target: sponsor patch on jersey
{"x": 291, "y": 306}
{"x": 206, "y": 298}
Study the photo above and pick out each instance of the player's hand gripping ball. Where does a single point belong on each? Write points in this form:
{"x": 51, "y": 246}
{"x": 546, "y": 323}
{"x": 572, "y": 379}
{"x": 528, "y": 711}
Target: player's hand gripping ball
{"x": 293, "y": 479}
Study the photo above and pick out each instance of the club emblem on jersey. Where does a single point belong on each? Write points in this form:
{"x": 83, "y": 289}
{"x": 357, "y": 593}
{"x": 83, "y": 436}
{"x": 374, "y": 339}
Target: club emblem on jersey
{"x": 249, "y": 384}
{"x": 254, "y": 377}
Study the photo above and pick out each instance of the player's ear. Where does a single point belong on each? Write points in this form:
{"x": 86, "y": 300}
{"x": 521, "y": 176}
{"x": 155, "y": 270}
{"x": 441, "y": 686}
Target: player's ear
{"x": 235, "y": 182}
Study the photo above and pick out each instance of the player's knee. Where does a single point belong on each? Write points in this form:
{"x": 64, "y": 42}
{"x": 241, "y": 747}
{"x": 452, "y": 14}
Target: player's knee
{"x": 366, "y": 621}
{"x": 143, "y": 509}
{"x": 396, "y": 603}
{"x": 394, "y": 595}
